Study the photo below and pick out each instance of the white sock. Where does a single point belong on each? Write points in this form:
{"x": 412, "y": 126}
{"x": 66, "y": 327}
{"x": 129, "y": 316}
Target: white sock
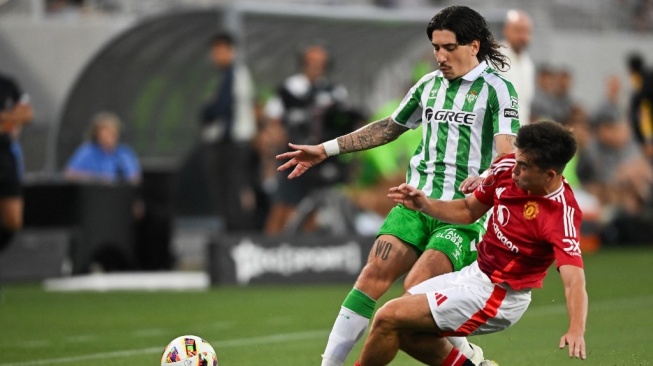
{"x": 462, "y": 345}
{"x": 347, "y": 330}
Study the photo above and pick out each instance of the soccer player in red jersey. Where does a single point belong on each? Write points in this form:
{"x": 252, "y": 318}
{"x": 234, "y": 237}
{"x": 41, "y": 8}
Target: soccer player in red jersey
{"x": 535, "y": 221}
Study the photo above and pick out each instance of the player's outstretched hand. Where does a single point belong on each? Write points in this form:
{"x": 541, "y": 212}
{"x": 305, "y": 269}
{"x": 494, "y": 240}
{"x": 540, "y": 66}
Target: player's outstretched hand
{"x": 302, "y": 158}
{"x": 470, "y": 184}
{"x": 576, "y": 344}
{"x": 409, "y": 196}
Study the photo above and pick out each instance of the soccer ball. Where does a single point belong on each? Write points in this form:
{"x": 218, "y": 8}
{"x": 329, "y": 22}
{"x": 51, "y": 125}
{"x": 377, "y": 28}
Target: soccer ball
{"x": 189, "y": 350}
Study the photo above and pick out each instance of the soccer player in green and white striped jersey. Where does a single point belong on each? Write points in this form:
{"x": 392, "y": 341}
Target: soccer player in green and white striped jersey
{"x": 469, "y": 118}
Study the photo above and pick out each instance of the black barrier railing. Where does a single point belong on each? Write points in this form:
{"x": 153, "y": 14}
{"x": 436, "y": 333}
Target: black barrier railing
{"x": 102, "y": 217}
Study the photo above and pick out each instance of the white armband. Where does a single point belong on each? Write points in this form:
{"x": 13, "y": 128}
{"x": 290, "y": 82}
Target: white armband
{"x": 485, "y": 174}
{"x": 331, "y": 147}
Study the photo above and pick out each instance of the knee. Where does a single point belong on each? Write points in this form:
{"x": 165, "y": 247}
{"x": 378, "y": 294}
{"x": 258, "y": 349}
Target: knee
{"x": 431, "y": 264}
{"x": 374, "y": 281}
{"x": 385, "y": 319}
{"x": 406, "y": 339}
{"x": 409, "y": 283}
{"x": 372, "y": 272}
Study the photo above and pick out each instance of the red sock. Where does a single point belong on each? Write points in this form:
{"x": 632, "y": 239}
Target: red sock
{"x": 456, "y": 358}
{"x": 358, "y": 363}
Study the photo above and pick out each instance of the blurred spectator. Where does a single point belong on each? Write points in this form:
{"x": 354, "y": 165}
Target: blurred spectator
{"x": 306, "y": 109}
{"x": 614, "y": 170}
{"x": 543, "y": 100}
{"x": 228, "y": 130}
{"x": 562, "y": 93}
{"x": 642, "y": 15}
{"x": 103, "y": 158}
{"x": 517, "y": 32}
{"x": 580, "y": 126}
{"x": 63, "y": 8}
{"x": 268, "y": 143}
{"x": 588, "y": 203}
{"x": 552, "y": 98}
{"x": 641, "y": 102}
{"x": 265, "y": 147}
{"x": 15, "y": 110}
{"x": 610, "y": 104}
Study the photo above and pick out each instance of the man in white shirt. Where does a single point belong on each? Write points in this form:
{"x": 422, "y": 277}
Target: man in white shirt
{"x": 517, "y": 32}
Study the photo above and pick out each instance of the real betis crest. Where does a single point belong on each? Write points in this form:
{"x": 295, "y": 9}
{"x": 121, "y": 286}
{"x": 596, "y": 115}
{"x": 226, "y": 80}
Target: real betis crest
{"x": 471, "y": 96}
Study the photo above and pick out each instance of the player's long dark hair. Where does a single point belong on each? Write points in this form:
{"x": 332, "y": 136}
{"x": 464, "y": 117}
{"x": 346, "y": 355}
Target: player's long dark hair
{"x": 468, "y": 25}
{"x": 549, "y": 145}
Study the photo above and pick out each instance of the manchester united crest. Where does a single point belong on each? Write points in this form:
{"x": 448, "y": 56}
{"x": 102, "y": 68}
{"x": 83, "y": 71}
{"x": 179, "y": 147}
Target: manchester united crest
{"x": 531, "y": 210}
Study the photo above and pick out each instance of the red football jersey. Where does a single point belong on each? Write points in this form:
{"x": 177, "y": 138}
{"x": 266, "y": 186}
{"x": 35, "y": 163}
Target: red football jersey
{"x": 526, "y": 233}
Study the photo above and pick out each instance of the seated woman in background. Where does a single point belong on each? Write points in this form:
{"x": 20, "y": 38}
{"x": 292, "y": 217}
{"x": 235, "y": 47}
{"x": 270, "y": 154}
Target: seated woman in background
{"x": 104, "y": 158}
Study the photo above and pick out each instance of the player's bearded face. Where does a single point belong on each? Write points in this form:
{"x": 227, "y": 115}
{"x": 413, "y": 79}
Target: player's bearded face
{"x": 454, "y": 59}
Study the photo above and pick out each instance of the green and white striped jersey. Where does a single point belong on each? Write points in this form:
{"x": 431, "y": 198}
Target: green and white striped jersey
{"x": 460, "y": 120}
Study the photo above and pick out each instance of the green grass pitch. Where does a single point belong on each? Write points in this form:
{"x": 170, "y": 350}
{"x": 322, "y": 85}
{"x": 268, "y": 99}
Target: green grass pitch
{"x": 288, "y": 326}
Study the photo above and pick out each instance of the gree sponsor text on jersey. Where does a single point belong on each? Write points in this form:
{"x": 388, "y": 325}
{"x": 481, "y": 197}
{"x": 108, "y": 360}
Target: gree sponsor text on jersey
{"x": 441, "y": 115}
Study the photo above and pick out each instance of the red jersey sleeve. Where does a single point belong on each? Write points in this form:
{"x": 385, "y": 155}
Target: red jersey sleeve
{"x": 564, "y": 235}
{"x": 485, "y": 191}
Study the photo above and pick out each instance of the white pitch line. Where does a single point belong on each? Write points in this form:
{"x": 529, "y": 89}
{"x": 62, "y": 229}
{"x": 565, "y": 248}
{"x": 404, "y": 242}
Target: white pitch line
{"x": 221, "y": 344}
{"x": 540, "y": 310}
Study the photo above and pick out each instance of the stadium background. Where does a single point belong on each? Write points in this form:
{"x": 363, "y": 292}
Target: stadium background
{"x": 147, "y": 61}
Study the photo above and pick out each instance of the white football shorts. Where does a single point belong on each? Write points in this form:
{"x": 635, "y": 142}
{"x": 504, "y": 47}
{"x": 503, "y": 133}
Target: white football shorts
{"x": 467, "y": 303}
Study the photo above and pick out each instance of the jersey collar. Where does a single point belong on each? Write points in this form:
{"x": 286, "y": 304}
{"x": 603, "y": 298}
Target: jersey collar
{"x": 472, "y": 75}
{"x": 475, "y": 72}
{"x": 558, "y": 192}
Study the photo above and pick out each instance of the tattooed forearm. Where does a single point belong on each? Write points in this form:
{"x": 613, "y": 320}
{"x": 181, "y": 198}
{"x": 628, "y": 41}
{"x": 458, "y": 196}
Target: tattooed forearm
{"x": 372, "y": 135}
{"x": 505, "y": 145}
{"x": 510, "y": 139}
